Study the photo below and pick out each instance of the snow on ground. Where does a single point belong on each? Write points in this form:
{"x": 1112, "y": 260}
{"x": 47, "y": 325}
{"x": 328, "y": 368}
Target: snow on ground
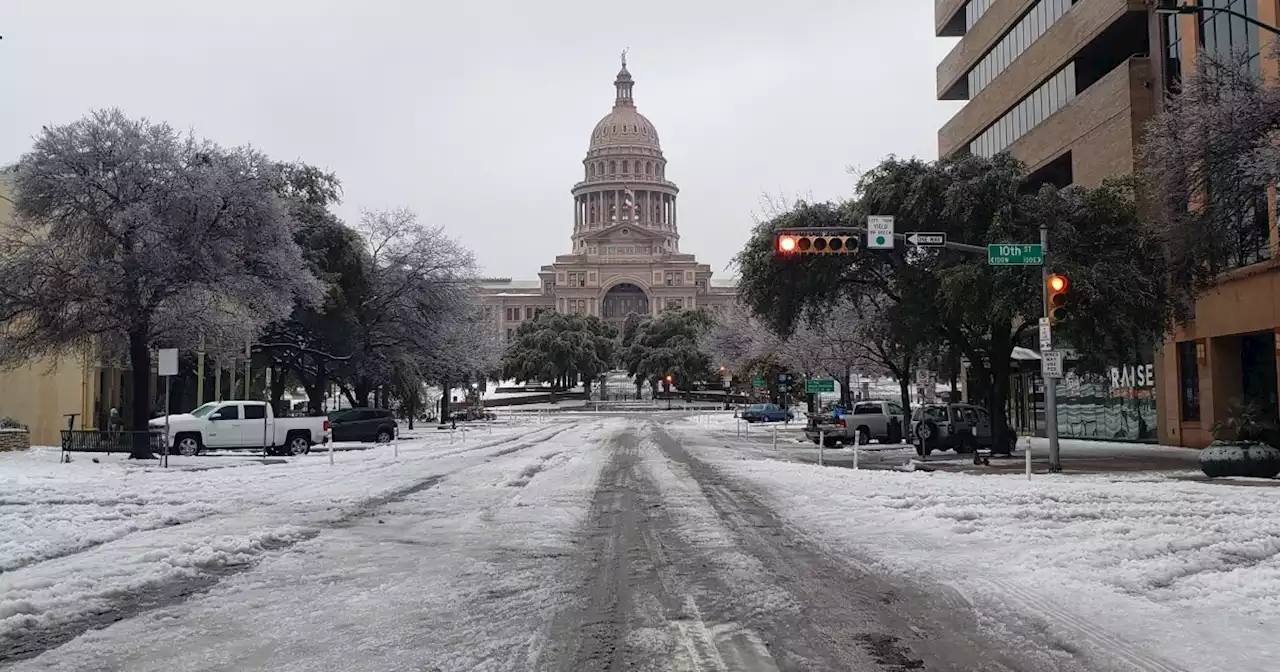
{"x": 462, "y": 575}
{"x": 1140, "y": 567}
{"x": 75, "y": 537}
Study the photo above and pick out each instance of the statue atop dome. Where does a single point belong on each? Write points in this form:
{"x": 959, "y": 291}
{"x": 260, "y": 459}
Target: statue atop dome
{"x": 624, "y": 57}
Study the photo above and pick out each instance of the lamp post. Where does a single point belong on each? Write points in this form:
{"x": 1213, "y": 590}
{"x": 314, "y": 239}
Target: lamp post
{"x": 1201, "y": 9}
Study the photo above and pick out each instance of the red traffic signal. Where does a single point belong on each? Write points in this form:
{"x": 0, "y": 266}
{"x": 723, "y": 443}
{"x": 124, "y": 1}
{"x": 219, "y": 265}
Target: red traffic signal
{"x": 791, "y": 242}
{"x": 1057, "y": 308}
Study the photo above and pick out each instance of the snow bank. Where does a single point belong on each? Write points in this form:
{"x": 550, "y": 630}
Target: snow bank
{"x": 467, "y": 574}
{"x": 74, "y": 535}
{"x": 1108, "y": 564}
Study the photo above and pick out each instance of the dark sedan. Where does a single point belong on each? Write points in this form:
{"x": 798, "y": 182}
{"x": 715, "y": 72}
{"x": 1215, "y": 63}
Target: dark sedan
{"x": 767, "y": 413}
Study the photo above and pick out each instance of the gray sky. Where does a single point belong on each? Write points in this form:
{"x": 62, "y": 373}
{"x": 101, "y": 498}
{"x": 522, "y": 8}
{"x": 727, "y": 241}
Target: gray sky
{"x": 477, "y": 113}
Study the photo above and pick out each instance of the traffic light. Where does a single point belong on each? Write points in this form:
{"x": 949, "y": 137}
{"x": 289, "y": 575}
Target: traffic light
{"x": 791, "y": 242}
{"x": 668, "y": 379}
{"x": 1058, "y": 286}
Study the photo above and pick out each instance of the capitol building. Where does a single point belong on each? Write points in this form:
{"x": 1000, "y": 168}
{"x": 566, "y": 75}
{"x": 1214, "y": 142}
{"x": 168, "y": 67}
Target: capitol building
{"x": 624, "y": 255}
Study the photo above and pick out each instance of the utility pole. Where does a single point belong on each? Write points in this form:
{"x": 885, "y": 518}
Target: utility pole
{"x": 1050, "y": 383}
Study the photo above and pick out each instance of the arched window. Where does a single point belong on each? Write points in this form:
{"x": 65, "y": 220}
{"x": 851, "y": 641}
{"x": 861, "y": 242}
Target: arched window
{"x": 625, "y": 164}
{"x": 613, "y": 167}
{"x": 648, "y": 167}
{"x": 591, "y": 170}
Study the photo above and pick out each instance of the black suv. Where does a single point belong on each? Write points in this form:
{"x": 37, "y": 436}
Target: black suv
{"x": 363, "y": 424}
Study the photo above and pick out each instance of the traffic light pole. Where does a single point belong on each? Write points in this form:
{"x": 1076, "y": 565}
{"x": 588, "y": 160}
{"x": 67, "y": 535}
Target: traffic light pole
{"x": 862, "y": 231}
{"x": 1050, "y": 384}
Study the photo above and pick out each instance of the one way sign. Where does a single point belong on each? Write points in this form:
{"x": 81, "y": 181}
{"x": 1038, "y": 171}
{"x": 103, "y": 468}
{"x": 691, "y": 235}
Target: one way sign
{"x": 927, "y": 239}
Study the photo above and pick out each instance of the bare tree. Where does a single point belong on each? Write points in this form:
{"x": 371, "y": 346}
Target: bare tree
{"x": 1207, "y": 161}
{"x": 417, "y": 281}
{"x": 131, "y": 236}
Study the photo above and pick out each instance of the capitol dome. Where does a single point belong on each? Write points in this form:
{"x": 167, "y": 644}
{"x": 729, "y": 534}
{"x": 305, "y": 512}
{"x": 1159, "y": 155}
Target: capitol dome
{"x": 624, "y": 126}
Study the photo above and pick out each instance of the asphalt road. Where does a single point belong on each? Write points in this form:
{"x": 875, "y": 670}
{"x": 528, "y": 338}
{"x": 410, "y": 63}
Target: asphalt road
{"x": 696, "y": 574}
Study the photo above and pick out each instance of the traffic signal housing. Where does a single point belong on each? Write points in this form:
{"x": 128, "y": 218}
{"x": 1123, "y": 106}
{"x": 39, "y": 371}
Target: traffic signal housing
{"x": 794, "y": 242}
{"x": 1058, "y": 286}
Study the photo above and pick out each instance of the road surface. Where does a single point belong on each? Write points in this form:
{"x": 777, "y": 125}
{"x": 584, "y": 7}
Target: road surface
{"x": 597, "y": 543}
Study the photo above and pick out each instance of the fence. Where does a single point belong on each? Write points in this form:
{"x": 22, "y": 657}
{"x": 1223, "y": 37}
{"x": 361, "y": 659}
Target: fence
{"x": 108, "y": 441}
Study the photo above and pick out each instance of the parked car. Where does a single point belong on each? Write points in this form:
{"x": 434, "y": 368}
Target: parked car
{"x": 230, "y": 425}
{"x": 963, "y": 428}
{"x": 881, "y": 420}
{"x": 767, "y": 413}
{"x": 377, "y": 425}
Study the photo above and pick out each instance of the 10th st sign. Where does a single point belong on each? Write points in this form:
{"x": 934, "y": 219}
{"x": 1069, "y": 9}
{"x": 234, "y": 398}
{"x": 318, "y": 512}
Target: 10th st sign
{"x": 1004, "y": 254}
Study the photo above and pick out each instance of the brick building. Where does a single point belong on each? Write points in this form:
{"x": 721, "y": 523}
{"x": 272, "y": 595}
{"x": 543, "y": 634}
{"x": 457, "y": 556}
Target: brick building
{"x": 1066, "y": 86}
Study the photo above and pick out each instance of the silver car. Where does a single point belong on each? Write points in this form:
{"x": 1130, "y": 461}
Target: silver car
{"x": 881, "y": 420}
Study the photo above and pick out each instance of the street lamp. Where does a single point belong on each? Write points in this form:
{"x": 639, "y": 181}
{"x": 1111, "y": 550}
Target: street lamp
{"x": 1201, "y": 9}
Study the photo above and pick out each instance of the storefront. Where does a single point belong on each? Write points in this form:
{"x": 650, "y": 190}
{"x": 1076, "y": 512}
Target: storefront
{"x": 1116, "y": 405}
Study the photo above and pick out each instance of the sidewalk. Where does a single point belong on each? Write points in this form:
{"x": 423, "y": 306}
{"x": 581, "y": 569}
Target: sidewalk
{"x": 1077, "y": 457}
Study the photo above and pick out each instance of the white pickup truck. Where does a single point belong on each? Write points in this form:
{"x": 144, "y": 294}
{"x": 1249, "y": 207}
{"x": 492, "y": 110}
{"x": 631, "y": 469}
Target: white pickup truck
{"x": 230, "y": 425}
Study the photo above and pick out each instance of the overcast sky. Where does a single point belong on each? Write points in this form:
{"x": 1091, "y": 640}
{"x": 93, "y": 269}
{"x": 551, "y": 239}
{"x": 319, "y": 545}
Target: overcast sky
{"x": 477, "y": 113}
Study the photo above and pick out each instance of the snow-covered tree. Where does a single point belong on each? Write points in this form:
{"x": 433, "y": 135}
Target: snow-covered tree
{"x": 1207, "y": 161}
{"x": 417, "y": 283}
{"x": 131, "y": 236}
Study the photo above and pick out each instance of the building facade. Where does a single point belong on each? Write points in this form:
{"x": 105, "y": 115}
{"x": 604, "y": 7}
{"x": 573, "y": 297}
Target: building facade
{"x": 1228, "y": 351}
{"x": 43, "y": 393}
{"x": 624, "y": 253}
{"x": 1066, "y": 87}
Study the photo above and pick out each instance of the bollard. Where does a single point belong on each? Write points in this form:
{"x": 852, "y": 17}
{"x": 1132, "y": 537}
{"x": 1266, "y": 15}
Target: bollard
{"x": 330, "y": 452}
{"x": 822, "y": 444}
{"x": 775, "y": 437}
{"x": 1028, "y": 457}
{"x": 857, "y": 448}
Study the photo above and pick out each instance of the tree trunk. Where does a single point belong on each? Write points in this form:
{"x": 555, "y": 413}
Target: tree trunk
{"x": 904, "y": 389}
{"x": 140, "y": 377}
{"x": 277, "y": 388}
{"x": 361, "y": 392}
{"x": 446, "y": 387}
{"x": 586, "y": 386}
{"x": 846, "y": 394}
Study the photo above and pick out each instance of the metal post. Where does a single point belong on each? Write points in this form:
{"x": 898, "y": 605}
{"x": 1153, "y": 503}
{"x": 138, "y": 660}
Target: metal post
{"x": 857, "y": 447}
{"x": 248, "y": 353}
{"x": 329, "y": 440}
{"x": 1028, "y": 458}
{"x": 200, "y": 373}
{"x": 164, "y": 456}
{"x": 1050, "y": 384}
{"x": 822, "y": 444}
{"x": 775, "y": 437}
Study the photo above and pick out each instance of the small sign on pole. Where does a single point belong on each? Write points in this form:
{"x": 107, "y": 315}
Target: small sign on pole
{"x": 1051, "y": 364}
{"x": 1046, "y": 335}
{"x": 167, "y": 366}
{"x": 816, "y": 385}
{"x": 880, "y": 232}
{"x": 927, "y": 238}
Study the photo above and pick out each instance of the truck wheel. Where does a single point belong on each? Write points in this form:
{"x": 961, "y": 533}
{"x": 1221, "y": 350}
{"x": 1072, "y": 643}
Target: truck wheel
{"x": 299, "y": 445}
{"x": 384, "y": 436}
{"x": 864, "y": 436}
{"x": 187, "y": 444}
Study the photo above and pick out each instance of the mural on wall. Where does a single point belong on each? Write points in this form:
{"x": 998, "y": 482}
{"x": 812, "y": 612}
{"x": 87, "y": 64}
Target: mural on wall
{"x": 1120, "y": 404}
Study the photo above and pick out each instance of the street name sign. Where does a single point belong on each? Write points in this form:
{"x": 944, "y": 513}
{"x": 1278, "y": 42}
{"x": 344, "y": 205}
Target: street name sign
{"x": 820, "y": 385}
{"x": 880, "y": 232}
{"x": 1046, "y": 335}
{"x": 927, "y": 238}
{"x": 757, "y": 382}
{"x": 1008, "y": 254}
{"x": 1051, "y": 364}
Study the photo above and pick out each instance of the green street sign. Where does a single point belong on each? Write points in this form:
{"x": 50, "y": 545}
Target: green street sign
{"x": 758, "y": 383}
{"x": 1006, "y": 254}
{"x": 820, "y": 385}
